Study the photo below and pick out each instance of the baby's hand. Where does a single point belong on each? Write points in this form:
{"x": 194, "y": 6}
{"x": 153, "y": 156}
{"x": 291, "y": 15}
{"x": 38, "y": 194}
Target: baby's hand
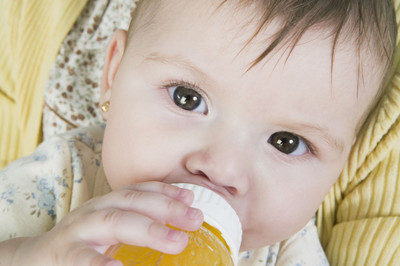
{"x": 135, "y": 215}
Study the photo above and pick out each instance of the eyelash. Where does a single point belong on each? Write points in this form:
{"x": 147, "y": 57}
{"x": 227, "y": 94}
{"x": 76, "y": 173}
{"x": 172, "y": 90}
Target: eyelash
{"x": 309, "y": 145}
{"x": 290, "y": 158}
{"x": 189, "y": 85}
{"x": 183, "y": 83}
{"x": 299, "y": 159}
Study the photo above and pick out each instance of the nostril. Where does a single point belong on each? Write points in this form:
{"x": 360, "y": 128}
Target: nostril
{"x": 201, "y": 173}
{"x": 231, "y": 190}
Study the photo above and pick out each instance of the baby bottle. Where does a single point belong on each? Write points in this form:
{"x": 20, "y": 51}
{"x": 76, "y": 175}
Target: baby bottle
{"x": 217, "y": 242}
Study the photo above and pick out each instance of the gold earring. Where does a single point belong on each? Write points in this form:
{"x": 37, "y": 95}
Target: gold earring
{"x": 105, "y": 106}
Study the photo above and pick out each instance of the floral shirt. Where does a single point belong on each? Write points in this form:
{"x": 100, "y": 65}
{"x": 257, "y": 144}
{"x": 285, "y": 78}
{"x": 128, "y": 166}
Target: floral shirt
{"x": 65, "y": 171}
{"x": 72, "y": 91}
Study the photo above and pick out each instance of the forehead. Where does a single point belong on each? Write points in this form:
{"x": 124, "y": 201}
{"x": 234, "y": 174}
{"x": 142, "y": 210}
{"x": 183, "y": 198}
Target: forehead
{"x": 246, "y": 19}
{"x": 202, "y": 32}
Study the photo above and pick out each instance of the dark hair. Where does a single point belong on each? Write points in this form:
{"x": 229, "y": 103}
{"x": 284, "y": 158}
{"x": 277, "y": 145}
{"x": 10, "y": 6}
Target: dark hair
{"x": 369, "y": 22}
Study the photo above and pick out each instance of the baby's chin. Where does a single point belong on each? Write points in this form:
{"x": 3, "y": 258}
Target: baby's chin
{"x": 254, "y": 239}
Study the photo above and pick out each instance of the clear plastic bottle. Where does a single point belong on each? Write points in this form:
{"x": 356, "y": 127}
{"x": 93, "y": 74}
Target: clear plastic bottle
{"x": 217, "y": 242}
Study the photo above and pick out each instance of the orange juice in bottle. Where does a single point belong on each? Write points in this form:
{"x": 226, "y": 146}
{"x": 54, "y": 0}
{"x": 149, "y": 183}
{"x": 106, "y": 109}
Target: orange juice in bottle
{"x": 217, "y": 242}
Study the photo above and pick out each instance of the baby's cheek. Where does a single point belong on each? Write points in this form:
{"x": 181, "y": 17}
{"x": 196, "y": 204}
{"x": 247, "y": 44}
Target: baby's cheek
{"x": 274, "y": 224}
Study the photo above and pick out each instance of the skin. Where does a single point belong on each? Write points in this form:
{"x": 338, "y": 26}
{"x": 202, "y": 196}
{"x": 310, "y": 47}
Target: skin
{"x": 148, "y": 137}
{"x": 151, "y": 142}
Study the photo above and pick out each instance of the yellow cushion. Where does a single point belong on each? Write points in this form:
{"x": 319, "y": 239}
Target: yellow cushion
{"x": 359, "y": 221}
{"x": 31, "y": 33}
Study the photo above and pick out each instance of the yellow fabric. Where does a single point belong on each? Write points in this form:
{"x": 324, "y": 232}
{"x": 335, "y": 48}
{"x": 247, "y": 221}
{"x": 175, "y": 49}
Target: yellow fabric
{"x": 31, "y": 32}
{"x": 359, "y": 221}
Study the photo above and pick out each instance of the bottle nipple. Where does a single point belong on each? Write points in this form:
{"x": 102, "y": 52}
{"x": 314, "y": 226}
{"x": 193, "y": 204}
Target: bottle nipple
{"x": 218, "y": 214}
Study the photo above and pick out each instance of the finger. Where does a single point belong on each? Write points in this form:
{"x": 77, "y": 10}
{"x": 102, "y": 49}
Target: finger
{"x": 136, "y": 217}
{"x": 155, "y": 206}
{"x": 181, "y": 194}
{"x": 129, "y": 193}
{"x": 126, "y": 199}
{"x": 111, "y": 226}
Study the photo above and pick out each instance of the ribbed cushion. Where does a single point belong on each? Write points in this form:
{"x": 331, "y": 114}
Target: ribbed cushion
{"x": 359, "y": 221}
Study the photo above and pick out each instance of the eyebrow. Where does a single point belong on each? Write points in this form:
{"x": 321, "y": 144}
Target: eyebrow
{"x": 178, "y": 61}
{"x": 337, "y": 144}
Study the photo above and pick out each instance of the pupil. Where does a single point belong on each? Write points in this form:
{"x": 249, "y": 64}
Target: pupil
{"x": 186, "y": 98}
{"x": 285, "y": 142}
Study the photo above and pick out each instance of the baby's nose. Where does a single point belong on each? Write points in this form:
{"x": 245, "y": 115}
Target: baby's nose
{"x": 225, "y": 162}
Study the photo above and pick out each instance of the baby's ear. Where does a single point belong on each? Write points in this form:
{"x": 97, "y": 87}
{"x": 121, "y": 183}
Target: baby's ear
{"x": 114, "y": 52}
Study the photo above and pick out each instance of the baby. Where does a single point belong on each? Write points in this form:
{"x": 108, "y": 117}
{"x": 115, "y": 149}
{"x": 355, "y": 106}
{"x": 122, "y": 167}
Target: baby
{"x": 259, "y": 101}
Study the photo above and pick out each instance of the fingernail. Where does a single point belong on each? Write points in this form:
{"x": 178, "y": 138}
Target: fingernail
{"x": 193, "y": 214}
{"x": 175, "y": 235}
{"x": 184, "y": 193}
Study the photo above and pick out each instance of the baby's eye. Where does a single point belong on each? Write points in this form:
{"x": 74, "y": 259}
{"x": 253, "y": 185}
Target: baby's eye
{"x": 188, "y": 99}
{"x": 288, "y": 143}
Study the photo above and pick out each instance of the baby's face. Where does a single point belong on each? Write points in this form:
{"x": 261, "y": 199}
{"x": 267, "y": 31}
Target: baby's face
{"x": 185, "y": 107}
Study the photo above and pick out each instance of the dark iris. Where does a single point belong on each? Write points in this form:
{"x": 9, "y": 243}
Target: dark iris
{"x": 186, "y": 98}
{"x": 284, "y": 142}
